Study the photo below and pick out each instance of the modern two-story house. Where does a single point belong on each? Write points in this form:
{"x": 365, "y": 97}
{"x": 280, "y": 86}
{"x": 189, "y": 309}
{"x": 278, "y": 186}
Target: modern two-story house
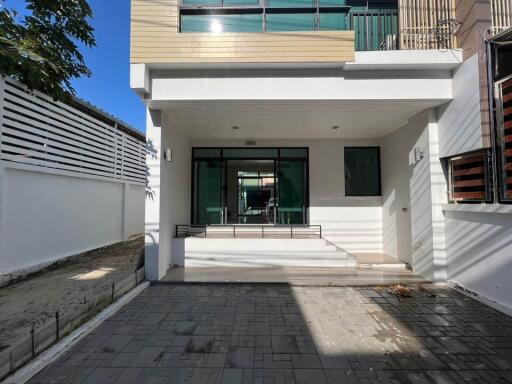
{"x": 379, "y": 126}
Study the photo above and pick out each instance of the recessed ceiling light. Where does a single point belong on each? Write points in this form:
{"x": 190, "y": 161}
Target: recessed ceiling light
{"x": 234, "y": 127}
{"x": 335, "y": 127}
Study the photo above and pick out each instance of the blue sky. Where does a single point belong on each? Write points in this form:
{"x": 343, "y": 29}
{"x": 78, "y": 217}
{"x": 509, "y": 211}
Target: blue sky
{"x": 109, "y": 86}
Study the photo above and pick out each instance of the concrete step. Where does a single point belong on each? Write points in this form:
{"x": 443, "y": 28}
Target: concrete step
{"x": 200, "y": 252}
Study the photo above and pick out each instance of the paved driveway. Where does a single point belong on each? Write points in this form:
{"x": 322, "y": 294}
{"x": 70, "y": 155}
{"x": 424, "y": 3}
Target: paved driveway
{"x": 280, "y": 334}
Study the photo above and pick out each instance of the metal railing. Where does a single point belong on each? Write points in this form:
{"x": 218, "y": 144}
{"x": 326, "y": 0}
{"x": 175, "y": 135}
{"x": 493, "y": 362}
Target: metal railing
{"x": 375, "y": 31}
{"x": 248, "y": 230}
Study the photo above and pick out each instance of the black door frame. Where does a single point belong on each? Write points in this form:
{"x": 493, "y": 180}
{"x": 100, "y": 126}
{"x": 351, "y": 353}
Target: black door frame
{"x": 224, "y": 160}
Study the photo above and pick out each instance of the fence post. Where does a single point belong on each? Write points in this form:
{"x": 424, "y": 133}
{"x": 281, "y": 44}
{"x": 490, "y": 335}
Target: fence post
{"x": 57, "y": 324}
{"x": 33, "y": 340}
{"x": 12, "y": 361}
{"x": 124, "y": 223}
{"x": 113, "y": 288}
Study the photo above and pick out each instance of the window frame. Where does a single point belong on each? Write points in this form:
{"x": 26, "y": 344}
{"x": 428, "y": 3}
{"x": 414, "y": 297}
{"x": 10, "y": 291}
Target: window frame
{"x": 379, "y": 170}
{"x": 260, "y": 8}
{"x": 489, "y": 197}
{"x": 500, "y": 141}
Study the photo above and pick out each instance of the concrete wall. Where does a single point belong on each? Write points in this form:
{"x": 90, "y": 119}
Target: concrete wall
{"x": 168, "y": 192}
{"x": 460, "y": 121}
{"x": 413, "y": 192}
{"x": 479, "y": 249}
{"x": 176, "y": 185}
{"x": 353, "y": 223}
{"x": 46, "y": 216}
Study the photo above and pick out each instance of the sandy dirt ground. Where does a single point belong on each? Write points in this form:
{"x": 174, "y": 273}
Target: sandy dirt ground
{"x": 63, "y": 288}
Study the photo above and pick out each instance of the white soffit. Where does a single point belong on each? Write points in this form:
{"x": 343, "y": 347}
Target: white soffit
{"x": 292, "y": 119}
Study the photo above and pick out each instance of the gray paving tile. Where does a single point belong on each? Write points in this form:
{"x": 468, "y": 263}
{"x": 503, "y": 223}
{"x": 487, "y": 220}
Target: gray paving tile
{"x": 253, "y": 334}
{"x": 241, "y": 358}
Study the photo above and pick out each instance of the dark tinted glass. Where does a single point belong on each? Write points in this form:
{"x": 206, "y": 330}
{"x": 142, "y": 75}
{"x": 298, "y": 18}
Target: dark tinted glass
{"x": 282, "y": 22}
{"x": 222, "y": 23}
{"x": 362, "y": 171}
{"x": 250, "y": 153}
{"x": 207, "y": 152}
{"x": 294, "y": 152}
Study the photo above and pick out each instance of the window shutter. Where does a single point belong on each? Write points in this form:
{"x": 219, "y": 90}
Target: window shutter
{"x": 470, "y": 177}
{"x": 504, "y": 116}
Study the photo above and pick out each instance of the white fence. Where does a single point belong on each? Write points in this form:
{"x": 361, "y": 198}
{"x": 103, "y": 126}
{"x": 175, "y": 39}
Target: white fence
{"x": 40, "y": 132}
{"x": 72, "y": 179}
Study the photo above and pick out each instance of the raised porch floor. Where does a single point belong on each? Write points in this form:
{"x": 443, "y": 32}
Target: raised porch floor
{"x": 359, "y": 276}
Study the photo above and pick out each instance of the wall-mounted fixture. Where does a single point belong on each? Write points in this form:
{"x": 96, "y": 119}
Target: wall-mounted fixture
{"x": 168, "y": 155}
{"x": 234, "y": 127}
{"x": 336, "y": 127}
{"x": 250, "y": 142}
{"x": 418, "y": 154}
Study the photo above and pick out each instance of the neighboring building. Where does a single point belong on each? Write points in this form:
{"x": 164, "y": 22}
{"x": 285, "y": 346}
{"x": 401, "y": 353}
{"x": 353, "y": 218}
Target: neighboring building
{"x": 72, "y": 179}
{"x": 354, "y": 115}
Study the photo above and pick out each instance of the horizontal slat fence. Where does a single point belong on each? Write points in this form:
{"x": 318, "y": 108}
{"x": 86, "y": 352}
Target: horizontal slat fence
{"x": 39, "y": 132}
{"x": 501, "y": 15}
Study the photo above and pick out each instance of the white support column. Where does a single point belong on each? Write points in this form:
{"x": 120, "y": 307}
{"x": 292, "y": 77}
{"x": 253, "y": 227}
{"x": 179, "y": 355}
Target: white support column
{"x": 156, "y": 261}
{"x": 438, "y": 196}
{"x": 428, "y": 193}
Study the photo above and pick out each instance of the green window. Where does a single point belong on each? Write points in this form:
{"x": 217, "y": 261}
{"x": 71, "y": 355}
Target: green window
{"x": 333, "y": 3}
{"x": 206, "y": 152}
{"x": 333, "y": 21}
{"x": 222, "y": 23}
{"x": 362, "y": 171}
{"x": 249, "y": 153}
{"x": 234, "y": 3}
{"x": 293, "y": 152}
{"x": 208, "y": 3}
{"x": 281, "y": 22}
{"x": 291, "y": 3}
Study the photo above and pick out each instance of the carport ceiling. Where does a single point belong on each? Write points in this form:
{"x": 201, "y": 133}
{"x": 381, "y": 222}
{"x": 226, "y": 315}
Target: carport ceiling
{"x": 268, "y": 119}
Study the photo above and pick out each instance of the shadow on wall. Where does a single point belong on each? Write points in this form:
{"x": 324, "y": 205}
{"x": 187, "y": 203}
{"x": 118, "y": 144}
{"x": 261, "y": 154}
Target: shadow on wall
{"x": 479, "y": 249}
{"x": 151, "y": 153}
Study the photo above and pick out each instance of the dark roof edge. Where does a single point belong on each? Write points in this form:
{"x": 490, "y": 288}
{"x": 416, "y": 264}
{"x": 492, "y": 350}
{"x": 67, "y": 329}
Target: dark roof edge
{"x": 108, "y": 118}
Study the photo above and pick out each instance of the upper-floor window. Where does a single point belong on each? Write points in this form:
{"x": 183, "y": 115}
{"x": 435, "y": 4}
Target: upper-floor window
{"x": 287, "y": 15}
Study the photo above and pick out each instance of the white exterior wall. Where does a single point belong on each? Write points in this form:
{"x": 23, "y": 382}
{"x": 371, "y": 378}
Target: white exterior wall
{"x": 478, "y": 241}
{"x": 353, "y": 223}
{"x": 479, "y": 249}
{"x": 413, "y": 194}
{"x": 45, "y": 217}
{"x": 177, "y": 185}
{"x": 168, "y": 200}
{"x": 460, "y": 120}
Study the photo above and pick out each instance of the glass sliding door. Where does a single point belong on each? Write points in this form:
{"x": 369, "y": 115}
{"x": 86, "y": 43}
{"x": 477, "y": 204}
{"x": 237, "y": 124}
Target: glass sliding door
{"x": 291, "y": 189}
{"x": 249, "y": 185}
{"x": 208, "y": 192}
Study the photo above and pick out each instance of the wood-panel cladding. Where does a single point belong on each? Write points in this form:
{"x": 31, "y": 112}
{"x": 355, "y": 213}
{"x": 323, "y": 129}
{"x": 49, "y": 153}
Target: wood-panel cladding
{"x": 421, "y": 24}
{"x": 155, "y": 39}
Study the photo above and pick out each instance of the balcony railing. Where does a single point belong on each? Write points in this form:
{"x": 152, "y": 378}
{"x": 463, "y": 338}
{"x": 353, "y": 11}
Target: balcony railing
{"x": 501, "y": 15}
{"x": 375, "y": 31}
